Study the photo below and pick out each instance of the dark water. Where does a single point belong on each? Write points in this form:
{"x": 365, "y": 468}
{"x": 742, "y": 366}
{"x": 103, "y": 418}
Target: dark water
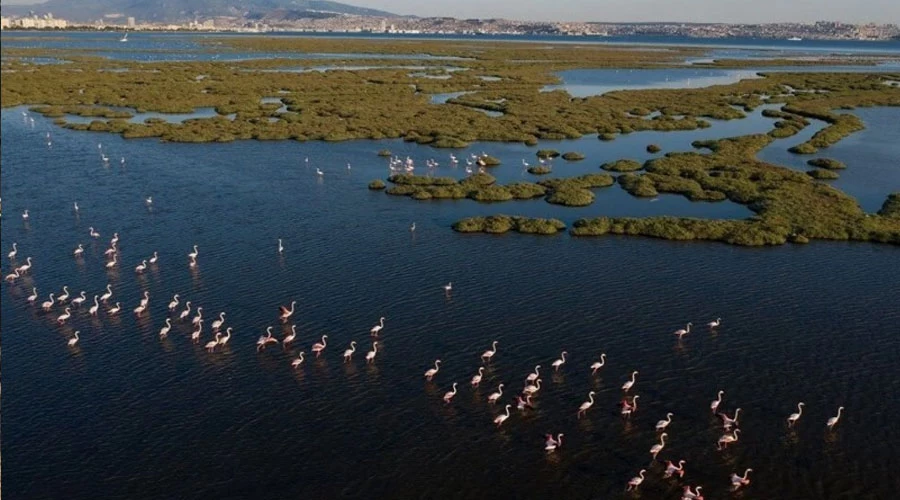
{"x": 126, "y": 415}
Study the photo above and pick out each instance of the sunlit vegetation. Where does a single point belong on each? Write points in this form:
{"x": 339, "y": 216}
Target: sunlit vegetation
{"x": 891, "y": 206}
{"x": 377, "y": 184}
{"x": 498, "y": 224}
{"x": 547, "y": 153}
{"x": 389, "y": 102}
{"x": 385, "y": 153}
{"x": 827, "y": 163}
{"x": 653, "y": 148}
{"x": 624, "y": 165}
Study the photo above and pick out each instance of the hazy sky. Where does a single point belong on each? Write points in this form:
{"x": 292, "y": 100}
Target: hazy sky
{"x": 733, "y": 11}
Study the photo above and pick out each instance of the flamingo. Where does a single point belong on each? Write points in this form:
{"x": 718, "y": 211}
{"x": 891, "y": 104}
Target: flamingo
{"x": 141, "y": 267}
{"x": 77, "y": 301}
{"x": 25, "y": 267}
{"x": 64, "y": 316}
{"x": 286, "y": 313}
{"x": 13, "y": 276}
{"x": 224, "y": 340}
{"x": 487, "y": 355}
{"x": 551, "y": 444}
{"x": 796, "y": 416}
{"x": 199, "y": 317}
{"x": 165, "y": 330}
{"x": 195, "y": 335}
{"x": 715, "y": 404}
{"x": 193, "y": 263}
{"x": 476, "y": 379}
{"x": 586, "y": 405}
{"x": 636, "y": 481}
{"x": 111, "y": 250}
{"x": 728, "y": 423}
{"x": 658, "y": 447}
{"x": 218, "y": 323}
{"x": 146, "y": 299}
{"x": 290, "y": 338}
{"x": 431, "y": 372}
{"x": 174, "y": 303}
{"x": 672, "y": 469}
{"x": 33, "y": 297}
{"x": 348, "y": 353}
{"x": 738, "y": 481}
{"x": 193, "y": 255}
{"x": 61, "y": 298}
{"x": 115, "y": 309}
{"x": 211, "y": 345}
{"x": 598, "y": 364}
{"x": 114, "y": 240}
{"x": 559, "y": 362}
{"x": 155, "y": 258}
{"x": 94, "y": 234}
{"x": 370, "y": 356}
{"x": 74, "y": 340}
{"x": 502, "y": 418}
{"x": 94, "y": 308}
{"x": 628, "y": 385}
{"x": 149, "y": 200}
{"x": 318, "y": 347}
{"x": 690, "y": 495}
{"x": 75, "y": 206}
{"x": 25, "y": 215}
{"x": 297, "y": 362}
{"x": 13, "y": 252}
{"x": 727, "y": 439}
{"x": 448, "y": 287}
{"x": 533, "y": 376}
{"x": 521, "y": 404}
{"x": 449, "y": 394}
{"x": 319, "y": 172}
{"x": 187, "y": 311}
{"x": 140, "y": 310}
{"x": 79, "y": 251}
{"x": 684, "y": 331}
{"x": 48, "y": 304}
{"x": 715, "y": 324}
{"x": 834, "y": 420}
{"x": 495, "y": 396}
{"x": 662, "y": 424}
{"x": 111, "y": 264}
{"x": 532, "y": 389}
{"x": 377, "y": 328}
{"x": 629, "y": 409}
{"x": 412, "y": 227}
{"x": 280, "y": 246}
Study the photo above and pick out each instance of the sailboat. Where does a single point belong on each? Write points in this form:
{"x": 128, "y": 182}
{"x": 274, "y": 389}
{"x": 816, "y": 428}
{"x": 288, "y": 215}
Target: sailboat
{"x": 795, "y": 39}
{"x": 124, "y": 37}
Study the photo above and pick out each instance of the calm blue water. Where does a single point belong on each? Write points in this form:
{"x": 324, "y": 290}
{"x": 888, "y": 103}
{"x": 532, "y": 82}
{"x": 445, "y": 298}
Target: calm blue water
{"x": 872, "y": 156}
{"x": 126, "y": 415}
{"x": 185, "y": 46}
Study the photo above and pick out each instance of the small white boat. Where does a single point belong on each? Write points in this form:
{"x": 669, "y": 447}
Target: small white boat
{"x": 124, "y": 38}
{"x": 795, "y": 39}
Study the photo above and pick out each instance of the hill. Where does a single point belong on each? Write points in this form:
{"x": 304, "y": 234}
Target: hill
{"x": 187, "y": 10}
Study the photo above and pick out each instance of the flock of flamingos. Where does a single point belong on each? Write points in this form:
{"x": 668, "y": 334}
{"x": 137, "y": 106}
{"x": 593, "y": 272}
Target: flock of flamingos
{"x": 66, "y": 304}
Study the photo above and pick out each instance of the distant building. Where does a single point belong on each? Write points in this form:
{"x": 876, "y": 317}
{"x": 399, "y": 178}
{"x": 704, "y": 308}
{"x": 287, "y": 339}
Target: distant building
{"x": 130, "y": 22}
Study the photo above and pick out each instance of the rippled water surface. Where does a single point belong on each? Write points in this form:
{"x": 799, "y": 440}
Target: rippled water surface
{"x": 127, "y": 415}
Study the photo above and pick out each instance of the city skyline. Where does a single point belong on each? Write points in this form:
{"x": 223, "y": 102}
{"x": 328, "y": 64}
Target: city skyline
{"x": 701, "y": 11}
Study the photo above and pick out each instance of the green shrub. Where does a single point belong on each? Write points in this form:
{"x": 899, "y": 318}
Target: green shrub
{"x": 488, "y": 161}
{"x": 638, "y": 185}
{"x": 496, "y": 224}
{"x": 826, "y": 163}
{"x": 384, "y": 153}
{"x": 573, "y": 156}
{"x": 479, "y": 179}
{"x": 624, "y": 165}
{"x": 607, "y": 136}
{"x": 377, "y": 184}
{"x": 891, "y": 206}
{"x": 547, "y": 153}
{"x": 822, "y": 174}
{"x": 491, "y": 194}
{"x": 653, "y": 148}
{"x": 539, "y": 170}
{"x": 803, "y": 149}
{"x": 571, "y": 197}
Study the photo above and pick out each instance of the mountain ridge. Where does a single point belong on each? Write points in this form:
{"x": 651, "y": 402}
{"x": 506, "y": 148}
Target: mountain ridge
{"x": 174, "y": 11}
